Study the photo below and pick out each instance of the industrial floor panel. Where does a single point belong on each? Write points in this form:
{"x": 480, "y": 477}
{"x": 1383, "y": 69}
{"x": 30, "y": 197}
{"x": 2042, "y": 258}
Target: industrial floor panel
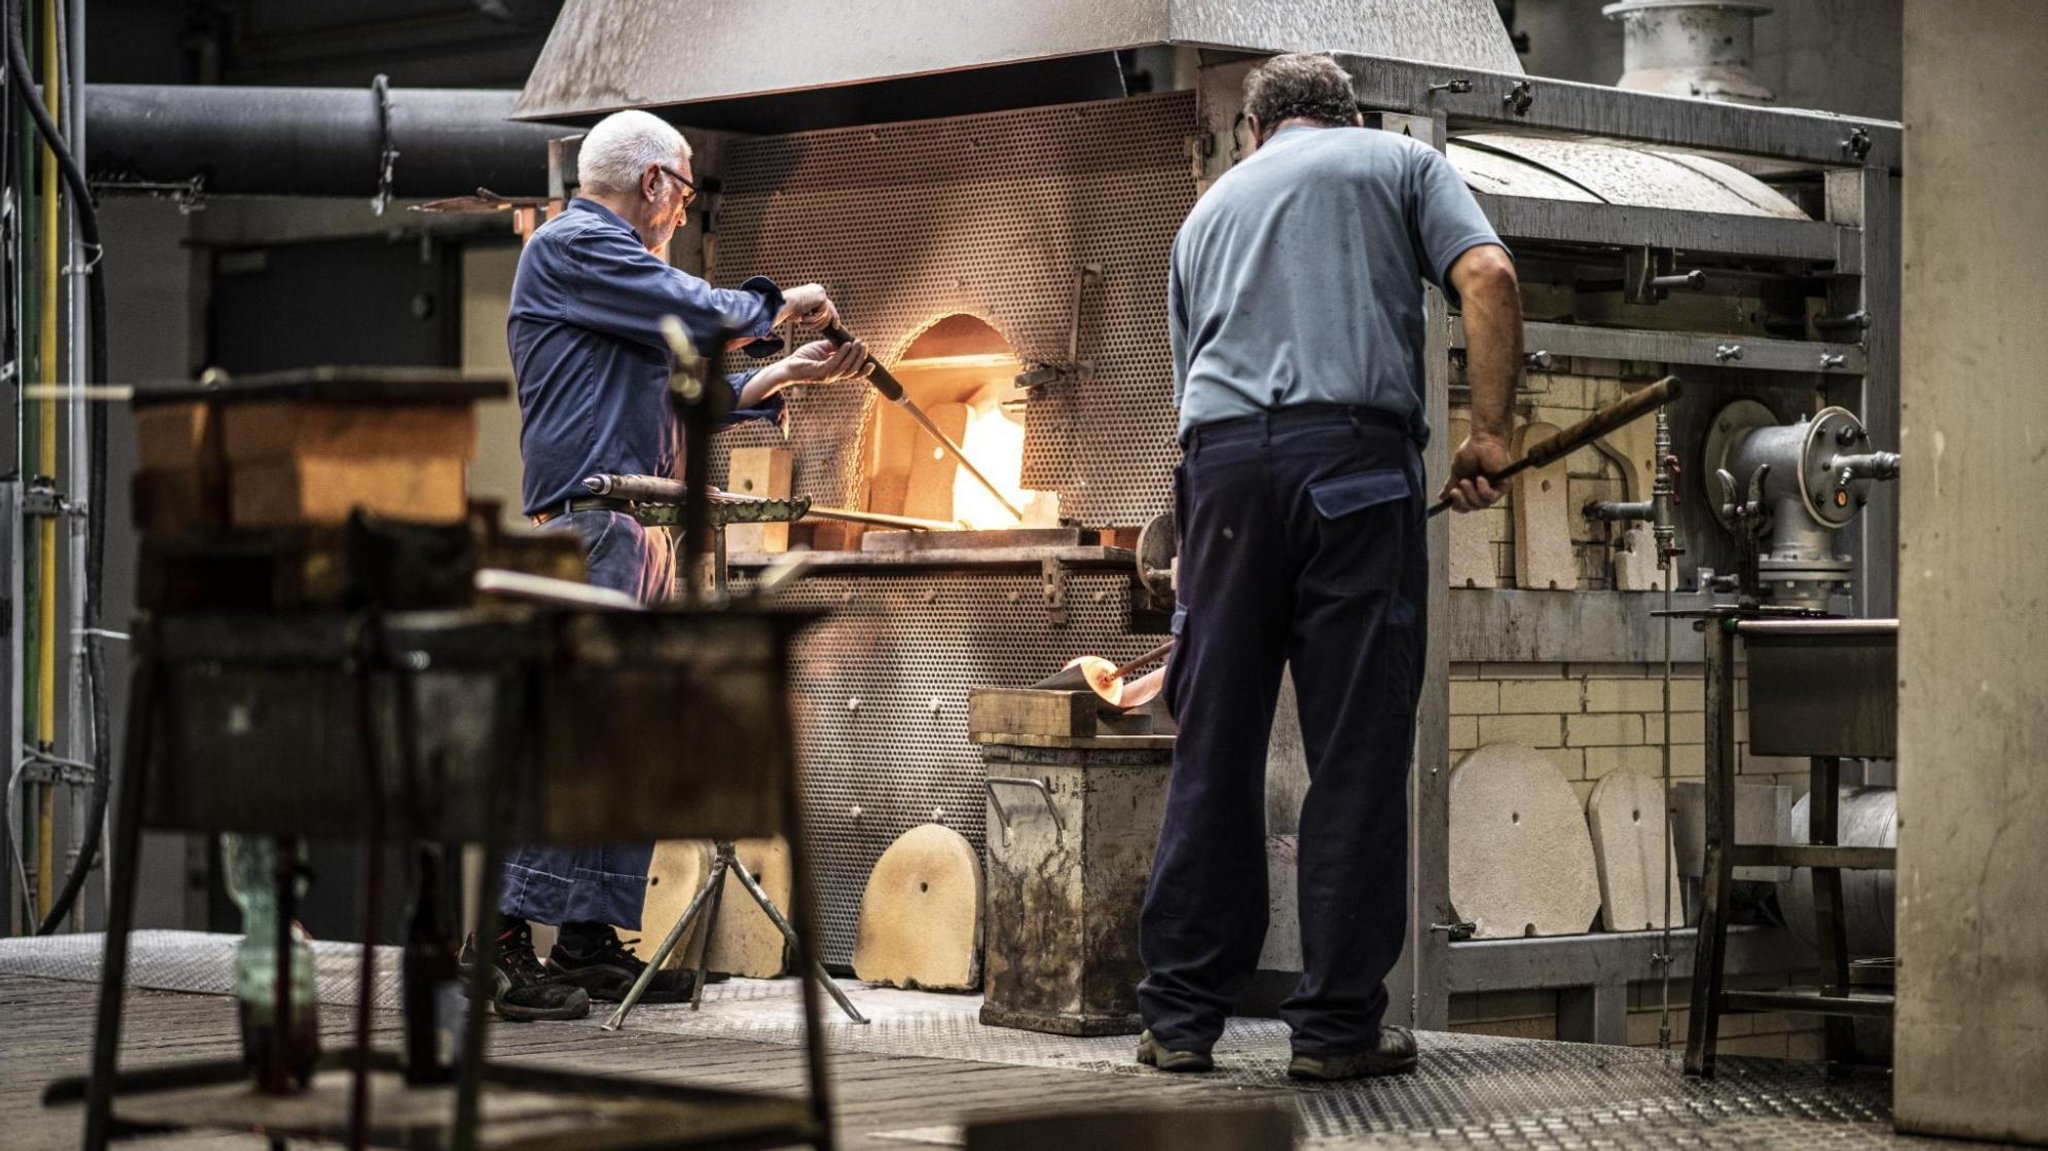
{"x": 1471, "y": 1091}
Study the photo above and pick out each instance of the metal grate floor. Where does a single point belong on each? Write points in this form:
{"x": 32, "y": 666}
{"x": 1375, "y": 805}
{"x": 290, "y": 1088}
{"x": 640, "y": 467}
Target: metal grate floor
{"x": 1472, "y": 1091}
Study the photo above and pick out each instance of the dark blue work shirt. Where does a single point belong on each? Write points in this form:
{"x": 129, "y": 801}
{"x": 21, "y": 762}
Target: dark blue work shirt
{"x": 588, "y": 353}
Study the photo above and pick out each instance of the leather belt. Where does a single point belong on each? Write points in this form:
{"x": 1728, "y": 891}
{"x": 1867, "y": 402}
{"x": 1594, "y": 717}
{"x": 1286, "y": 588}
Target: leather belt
{"x": 586, "y": 504}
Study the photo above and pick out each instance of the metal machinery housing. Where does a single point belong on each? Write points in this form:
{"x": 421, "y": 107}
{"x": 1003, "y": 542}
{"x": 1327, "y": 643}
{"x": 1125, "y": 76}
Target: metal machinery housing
{"x": 1048, "y": 216}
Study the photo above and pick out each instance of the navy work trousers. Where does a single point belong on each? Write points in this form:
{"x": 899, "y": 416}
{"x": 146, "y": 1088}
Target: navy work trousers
{"x": 608, "y": 884}
{"x": 1302, "y": 546}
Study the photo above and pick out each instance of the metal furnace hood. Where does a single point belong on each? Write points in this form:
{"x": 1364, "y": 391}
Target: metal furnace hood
{"x": 604, "y": 55}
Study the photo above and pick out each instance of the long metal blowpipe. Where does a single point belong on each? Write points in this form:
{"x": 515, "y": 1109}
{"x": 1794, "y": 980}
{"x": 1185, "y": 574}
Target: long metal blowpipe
{"x": 893, "y": 392}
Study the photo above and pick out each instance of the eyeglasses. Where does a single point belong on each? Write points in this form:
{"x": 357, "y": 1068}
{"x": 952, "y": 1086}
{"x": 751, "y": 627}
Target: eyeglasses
{"x": 690, "y": 190}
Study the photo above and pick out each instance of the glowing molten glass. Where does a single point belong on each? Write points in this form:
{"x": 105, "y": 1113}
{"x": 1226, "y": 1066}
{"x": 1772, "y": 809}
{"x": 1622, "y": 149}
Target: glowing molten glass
{"x": 994, "y": 440}
{"x": 962, "y": 373}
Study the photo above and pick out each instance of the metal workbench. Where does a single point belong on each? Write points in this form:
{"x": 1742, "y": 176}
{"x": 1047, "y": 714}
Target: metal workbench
{"x": 494, "y": 726}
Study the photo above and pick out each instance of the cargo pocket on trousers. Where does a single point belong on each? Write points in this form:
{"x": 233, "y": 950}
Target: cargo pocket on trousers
{"x": 1341, "y": 496}
{"x": 1359, "y": 532}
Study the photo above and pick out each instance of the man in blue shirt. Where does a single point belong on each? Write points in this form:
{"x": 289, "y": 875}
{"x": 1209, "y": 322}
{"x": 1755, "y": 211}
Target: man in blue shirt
{"x": 593, "y": 369}
{"x": 1296, "y": 315}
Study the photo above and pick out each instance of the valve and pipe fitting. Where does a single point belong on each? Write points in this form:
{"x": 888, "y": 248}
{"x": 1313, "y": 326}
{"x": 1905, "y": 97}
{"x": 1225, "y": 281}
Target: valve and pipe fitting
{"x": 1817, "y": 474}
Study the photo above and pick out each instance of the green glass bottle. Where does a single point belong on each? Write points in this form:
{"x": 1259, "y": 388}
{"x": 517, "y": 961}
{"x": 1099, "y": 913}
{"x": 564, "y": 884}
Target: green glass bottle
{"x": 280, "y": 1055}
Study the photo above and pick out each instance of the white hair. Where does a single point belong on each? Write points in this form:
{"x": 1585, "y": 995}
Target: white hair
{"x": 619, "y": 149}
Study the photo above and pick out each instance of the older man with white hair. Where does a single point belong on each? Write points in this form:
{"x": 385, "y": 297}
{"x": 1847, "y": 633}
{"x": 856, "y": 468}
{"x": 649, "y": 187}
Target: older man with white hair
{"x": 593, "y": 370}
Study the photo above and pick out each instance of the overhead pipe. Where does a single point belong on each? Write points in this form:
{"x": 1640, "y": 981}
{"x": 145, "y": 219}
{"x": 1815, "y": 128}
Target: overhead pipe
{"x": 371, "y": 141}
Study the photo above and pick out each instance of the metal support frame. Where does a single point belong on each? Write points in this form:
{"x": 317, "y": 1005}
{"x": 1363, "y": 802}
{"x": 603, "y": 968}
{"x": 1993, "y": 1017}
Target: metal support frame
{"x": 1784, "y": 134}
{"x": 1717, "y": 885}
{"x": 1429, "y": 834}
{"x": 1752, "y": 353}
{"x": 1576, "y": 222}
{"x": 1868, "y": 197}
{"x": 1823, "y": 827}
{"x": 1857, "y": 243}
{"x": 1833, "y": 997}
{"x": 1592, "y": 973}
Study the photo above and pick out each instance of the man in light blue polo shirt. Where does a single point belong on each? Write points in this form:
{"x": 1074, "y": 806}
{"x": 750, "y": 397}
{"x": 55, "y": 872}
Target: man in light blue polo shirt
{"x": 1296, "y": 313}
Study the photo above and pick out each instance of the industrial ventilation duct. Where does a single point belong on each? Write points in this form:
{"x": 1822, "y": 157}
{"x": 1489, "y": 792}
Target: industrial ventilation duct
{"x": 604, "y": 55}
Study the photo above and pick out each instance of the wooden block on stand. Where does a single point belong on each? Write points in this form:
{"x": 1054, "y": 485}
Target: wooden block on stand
{"x": 759, "y": 472}
{"x": 170, "y": 500}
{"x": 835, "y": 536}
{"x": 993, "y": 712}
{"x": 268, "y": 431}
{"x": 676, "y": 871}
{"x": 744, "y": 941}
{"x": 325, "y": 489}
{"x": 176, "y": 436}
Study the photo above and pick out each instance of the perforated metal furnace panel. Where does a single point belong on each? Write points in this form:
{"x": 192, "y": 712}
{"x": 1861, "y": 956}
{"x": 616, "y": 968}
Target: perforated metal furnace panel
{"x": 991, "y": 215}
{"x": 881, "y": 699}
{"x": 824, "y": 431}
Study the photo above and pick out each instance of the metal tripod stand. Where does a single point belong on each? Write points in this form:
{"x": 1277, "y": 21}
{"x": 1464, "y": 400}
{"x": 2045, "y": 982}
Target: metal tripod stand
{"x": 706, "y": 902}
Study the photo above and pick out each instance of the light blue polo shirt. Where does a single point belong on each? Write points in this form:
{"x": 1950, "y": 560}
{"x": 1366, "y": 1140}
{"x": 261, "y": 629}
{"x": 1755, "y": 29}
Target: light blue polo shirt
{"x": 1297, "y": 279}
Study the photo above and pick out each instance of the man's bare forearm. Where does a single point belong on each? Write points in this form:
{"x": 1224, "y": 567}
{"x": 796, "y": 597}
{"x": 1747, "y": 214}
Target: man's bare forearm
{"x": 1493, "y": 346}
{"x": 763, "y": 385}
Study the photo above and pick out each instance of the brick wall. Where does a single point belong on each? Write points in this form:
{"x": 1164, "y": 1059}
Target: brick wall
{"x": 1591, "y": 719}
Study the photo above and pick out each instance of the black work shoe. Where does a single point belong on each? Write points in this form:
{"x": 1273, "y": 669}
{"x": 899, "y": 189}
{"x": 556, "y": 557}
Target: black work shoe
{"x": 1393, "y": 1055}
{"x": 608, "y": 971}
{"x": 522, "y": 989}
{"x": 1153, "y": 1054}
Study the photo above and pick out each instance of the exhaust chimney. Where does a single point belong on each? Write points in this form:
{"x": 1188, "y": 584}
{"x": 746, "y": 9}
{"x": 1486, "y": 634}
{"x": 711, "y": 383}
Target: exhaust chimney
{"x": 1697, "y": 48}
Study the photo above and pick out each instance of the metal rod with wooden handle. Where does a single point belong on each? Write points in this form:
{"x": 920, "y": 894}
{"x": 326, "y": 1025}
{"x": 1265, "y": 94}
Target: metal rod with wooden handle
{"x": 893, "y": 391}
{"x": 1618, "y": 414}
{"x": 662, "y": 490}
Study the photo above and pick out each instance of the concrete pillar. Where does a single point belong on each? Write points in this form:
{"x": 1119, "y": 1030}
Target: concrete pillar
{"x": 1972, "y": 1040}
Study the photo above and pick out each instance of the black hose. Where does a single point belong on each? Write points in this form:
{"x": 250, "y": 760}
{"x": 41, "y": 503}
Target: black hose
{"x": 87, "y": 217}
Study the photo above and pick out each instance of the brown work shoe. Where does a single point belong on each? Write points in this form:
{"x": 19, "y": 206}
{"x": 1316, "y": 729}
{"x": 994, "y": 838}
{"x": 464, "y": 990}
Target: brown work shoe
{"x": 1393, "y": 1055}
{"x": 1153, "y": 1054}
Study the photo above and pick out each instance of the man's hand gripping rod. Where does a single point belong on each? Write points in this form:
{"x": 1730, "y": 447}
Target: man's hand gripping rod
{"x": 893, "y": 392}
{"x": 1619, "y": 414}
